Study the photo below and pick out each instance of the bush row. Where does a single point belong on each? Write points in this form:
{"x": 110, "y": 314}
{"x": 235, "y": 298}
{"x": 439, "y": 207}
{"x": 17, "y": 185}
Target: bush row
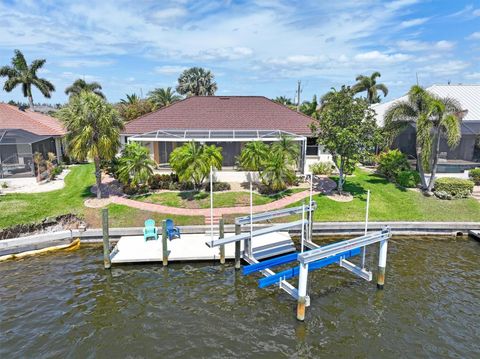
{"x": 449, "y": 188}
{"x": 474, "y": 175}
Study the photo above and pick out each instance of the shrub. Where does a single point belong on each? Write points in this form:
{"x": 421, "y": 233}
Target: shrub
{"x": 131, "y": 190}
{"x": 455, "y": 187}
{"x": 181, "y": 186}
{"x": 217, "y": 186}
{"x": 322, "y": 168}
{"x": 391, "y": 163}
{"x": 474, "y": 175}
{"x": 158, "y": 181}
{"x": 408, "y": 179}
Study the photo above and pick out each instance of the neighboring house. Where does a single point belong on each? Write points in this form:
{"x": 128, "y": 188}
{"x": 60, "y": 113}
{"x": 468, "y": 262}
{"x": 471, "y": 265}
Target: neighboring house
{"x": 467, "y": 153}
{"x": 22, "y": 133}
{"x": 226, "y": 121}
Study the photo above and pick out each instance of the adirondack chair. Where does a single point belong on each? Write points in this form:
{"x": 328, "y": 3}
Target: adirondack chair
{"x": 150, "y": 231}
{"x": 172, "y": 231}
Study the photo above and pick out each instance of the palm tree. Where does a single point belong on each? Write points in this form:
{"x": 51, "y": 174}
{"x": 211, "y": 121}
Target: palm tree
{"x": 130, "y": 100}
{"x": 135, "y": 164}
{"x": 93, "y": 128}
{"x": 81, "y": 85}
{"x": 277, "y": 173}
{"x": 162, "y": 97}
{"x": 433, "y": 117}
{"x": 369, "y": 84}
{"x": 283, "y": 100}
{"x": 192, "y": 161}
{"x": 288, "y": 149}
{"x": 39, "y": 161}
{"x": 196, "y": 81}
{"x": 22, "y": 74}
{"x": 253, "y": 156}
{"x": 310, "y": 108}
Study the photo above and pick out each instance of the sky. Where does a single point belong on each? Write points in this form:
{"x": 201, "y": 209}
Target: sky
{"x": 253, "y": 47}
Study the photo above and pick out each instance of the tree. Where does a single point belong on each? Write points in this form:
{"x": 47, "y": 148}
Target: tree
{"x": 50, "y": 164}
{"x": 93, "y": 130}
{"x": 20, "y": 73}
{"x": 346, "y": 128}
{"x": 39, "y": 162}
{"x": 80, "y": 85}
{"x": 135, "y": 165}
{"x": 283, "y": 100}
{"x": 133, "y": 106}
{"x": 433, "y": 118}
{"x": 369, "y": 84}
{"x": 253, "y": 156}
{"x": 196, "y": 81}
{"x": 161, "y": 97}
{"x": 192, "y": 161}
{"x": 287, "y": 148}
{"x": 310, "y": 108}
{"x": 130, "y": 99}
{"x": 277, "y": 173}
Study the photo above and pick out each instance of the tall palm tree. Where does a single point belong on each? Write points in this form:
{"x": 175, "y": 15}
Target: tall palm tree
{"x": 433, "y": 117}
{"x": 20, "y": 73}
{"x": 93, "y": 130}
{"x": 192, "y": 161}
{"x": 135, "y": 165}
{"x": 196, "y": 81}
{"x": 81, "y": 85}
{"x": 162, "y": 97}
{"x": 369, "y": 84}
{"x": 130, "y": 100}
{"x": 253, "y": 156}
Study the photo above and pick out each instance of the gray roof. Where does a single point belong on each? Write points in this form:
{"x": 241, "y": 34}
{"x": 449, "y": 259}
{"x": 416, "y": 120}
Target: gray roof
{"x": 467, "y": 95}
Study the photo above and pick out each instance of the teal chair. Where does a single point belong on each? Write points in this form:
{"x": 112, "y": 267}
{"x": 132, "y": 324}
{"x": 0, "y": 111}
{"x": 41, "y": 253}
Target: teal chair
{"x": 150, "y": 231}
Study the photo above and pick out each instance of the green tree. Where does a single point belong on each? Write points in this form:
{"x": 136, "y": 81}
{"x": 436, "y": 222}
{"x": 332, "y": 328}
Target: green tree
{"x": 277, "y": 173}
{"x": 287, "y": 148}
{"x": 135, "y": 166}
{"x": 196, "y": 81}
{"x": 80, "y": 85}
{"x": 310, "y": 108}
{"x": 346, "y": 128}
{"x": 283, "y": 100}
{"x": 369, "y": 84}
{"x": 133, "y": 106}
{"x": 192, "y": 161}
{"x": 20, "y": 73}
{"x": 253, "y": 156}
{"x": 130, "y": 99}
{"x": 433, "y": 117}
{"x": 93, "y": 130}
{"x": 161, "y": 97}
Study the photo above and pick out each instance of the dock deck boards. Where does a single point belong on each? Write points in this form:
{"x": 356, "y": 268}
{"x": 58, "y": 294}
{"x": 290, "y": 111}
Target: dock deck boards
{"x": 192, "y": 247}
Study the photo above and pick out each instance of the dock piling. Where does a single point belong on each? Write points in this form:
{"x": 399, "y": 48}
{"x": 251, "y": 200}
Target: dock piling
{"x": 164, "y": 243}
{"x": 302, "y": 291}
{"x": 238, "y": 230}
{"x": 221, "y": 234}
{"x": 382, "y": 263}
{"x": 106, "y": 241}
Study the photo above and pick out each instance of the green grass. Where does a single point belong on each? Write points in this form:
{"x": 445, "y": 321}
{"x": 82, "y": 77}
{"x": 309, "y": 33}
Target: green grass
{"x": 220, "y": 199}
{"x": 391, "y": 203}
{"x": 31, "y": 208}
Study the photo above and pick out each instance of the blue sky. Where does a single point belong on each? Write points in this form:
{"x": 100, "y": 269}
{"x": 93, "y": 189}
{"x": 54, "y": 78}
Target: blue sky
{"x": 257, "y": 47}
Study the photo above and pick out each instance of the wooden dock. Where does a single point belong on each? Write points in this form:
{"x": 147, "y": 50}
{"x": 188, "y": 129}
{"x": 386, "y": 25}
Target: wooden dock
{"x": 192, "y": 247}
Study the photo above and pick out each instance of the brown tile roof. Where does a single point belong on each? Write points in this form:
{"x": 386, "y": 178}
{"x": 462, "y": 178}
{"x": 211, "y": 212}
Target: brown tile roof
{"x": 221, "y": 113}
{"x": 11, "y": 117}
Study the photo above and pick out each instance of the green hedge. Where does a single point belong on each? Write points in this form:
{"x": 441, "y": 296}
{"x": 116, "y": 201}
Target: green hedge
{"x": 474, "y": 175}
{"x": 408, "y": 179}
{"x": 454, "y": 187}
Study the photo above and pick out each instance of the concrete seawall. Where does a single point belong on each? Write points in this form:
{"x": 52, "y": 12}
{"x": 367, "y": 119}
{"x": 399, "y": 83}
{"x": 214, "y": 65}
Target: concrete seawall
{"x": 37, "y": 241}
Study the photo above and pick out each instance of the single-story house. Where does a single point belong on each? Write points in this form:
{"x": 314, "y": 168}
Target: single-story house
{"x": 22, "y": 133}
{"x": 226, "y": 121}
{"x": 467, "y": 154}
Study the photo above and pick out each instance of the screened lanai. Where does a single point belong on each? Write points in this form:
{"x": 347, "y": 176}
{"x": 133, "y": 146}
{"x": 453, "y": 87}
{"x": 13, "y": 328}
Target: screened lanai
{"x": 163, "y": 142}
{"x": 16, "y": 151}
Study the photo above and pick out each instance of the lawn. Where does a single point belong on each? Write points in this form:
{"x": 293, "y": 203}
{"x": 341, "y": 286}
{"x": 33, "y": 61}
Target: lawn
{"x": 32, "y": 208}
{"x": 220, "y": 199}
{"x": 391, "y": 203}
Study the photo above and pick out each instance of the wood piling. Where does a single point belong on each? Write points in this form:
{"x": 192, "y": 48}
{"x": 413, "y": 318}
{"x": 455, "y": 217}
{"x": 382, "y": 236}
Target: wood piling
{"x": 164, "y": 243}
{"x": 106, "y": 241}
{"x": 221, "y": 234}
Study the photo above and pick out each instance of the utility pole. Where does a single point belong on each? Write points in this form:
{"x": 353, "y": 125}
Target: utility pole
{"x": 299, "y": 91}
{"x": 416, "y": 74}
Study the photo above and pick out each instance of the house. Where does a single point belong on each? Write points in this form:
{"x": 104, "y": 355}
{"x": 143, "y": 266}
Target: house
{"x": 464, "y": 156}
{"x": 22, "y": 133}
{"x": 226, "y": 121}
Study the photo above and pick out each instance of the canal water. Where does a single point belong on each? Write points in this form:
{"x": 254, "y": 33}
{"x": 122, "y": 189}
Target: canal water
{"x": 66, "y": 305}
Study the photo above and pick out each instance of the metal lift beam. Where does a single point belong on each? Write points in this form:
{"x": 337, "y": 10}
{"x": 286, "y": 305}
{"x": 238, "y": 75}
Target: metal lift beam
{"x": 265, "y": 216}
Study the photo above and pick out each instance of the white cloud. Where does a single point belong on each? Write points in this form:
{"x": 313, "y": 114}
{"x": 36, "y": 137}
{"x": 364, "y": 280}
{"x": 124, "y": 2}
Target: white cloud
{"x": 474, "y": 36}
{"x": 416, "y": 45}
{"x": 476, "y": 12}
{"x": 295, "y": 60}
{"x": 447, "y": 68}
{"x": 170, "y": 13}
{"x": 377, "y": 56}
{"x": 84, "y": 63}
{"x": 413, "y": 22}
{"x": 170, "y": 69}
{"x": 473, "y": 76}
